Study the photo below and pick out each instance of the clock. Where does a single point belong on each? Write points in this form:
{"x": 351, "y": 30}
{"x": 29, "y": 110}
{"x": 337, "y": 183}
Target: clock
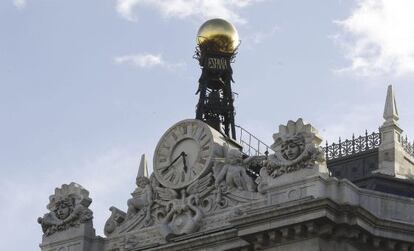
{"x": 186, "y": 152}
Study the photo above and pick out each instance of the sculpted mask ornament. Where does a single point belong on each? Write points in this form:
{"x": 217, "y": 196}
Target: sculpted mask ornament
{"x": 296, "y": 146}
{"x": 64, "y": 208}
{"x": 68, "y": 208}
{"x": 292, "y": 148}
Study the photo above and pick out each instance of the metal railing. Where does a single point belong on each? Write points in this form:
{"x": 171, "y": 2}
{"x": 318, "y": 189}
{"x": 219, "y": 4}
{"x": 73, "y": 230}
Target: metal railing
{"x": 407, "y": 146}
{"x": 253, "y": 146}
{"x": 353, "y": 146}
{"x": 250, "y": 143}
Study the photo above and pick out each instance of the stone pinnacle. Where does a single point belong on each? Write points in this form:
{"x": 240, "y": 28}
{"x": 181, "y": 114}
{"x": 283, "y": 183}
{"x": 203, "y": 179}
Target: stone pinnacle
{"x": 390, "y": 109}
{"x": 143, "y": 169}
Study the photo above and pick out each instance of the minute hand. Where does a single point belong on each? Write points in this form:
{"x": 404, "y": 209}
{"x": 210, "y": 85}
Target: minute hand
{"x": 172, "y": 163}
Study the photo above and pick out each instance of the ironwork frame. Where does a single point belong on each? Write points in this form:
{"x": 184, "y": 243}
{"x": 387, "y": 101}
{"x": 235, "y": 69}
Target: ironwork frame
{"x": 215, "y": 105}
{"x": 407, "y": 146}
{"x": 251, "y": 144}
{"x": 354, "y": 146}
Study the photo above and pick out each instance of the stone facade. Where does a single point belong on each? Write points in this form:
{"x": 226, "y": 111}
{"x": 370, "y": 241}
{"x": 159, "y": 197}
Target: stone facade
{"x": 291, "y": 203}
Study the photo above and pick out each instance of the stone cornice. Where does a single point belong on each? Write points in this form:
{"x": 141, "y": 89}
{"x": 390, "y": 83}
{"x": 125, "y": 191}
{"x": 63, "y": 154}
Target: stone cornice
{"x": 321, "y": 218}
{"x": 201, "y": 240}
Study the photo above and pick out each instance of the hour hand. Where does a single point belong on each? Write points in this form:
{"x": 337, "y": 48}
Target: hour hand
{"x": 184, "y": 161}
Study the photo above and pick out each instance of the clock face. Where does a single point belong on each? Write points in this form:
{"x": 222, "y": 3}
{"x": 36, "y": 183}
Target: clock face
{"x": 184, "y": 153}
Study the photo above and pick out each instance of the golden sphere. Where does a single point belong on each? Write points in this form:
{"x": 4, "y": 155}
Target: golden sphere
{"x": 218, "y": 34}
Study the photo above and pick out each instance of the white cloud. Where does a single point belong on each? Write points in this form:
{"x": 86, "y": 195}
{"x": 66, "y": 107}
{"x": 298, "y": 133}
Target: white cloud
{"x": 260, "y": 36}
{"x": 141, "y": 60}
{"x": 186, "y": 8}
{"x": 378, "y": 37}
{"x": 20, "y": 4}
{"x": 146, "y": 60}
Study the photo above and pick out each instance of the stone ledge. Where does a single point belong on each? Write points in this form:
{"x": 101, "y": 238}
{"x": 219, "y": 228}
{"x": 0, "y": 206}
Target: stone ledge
{"x": 202, "y": 241}
{"x": 83, "y": 231}
{"x": 322, "y": 218}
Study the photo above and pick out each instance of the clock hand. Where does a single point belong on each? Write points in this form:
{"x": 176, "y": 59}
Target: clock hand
{"x": 184, "y": 160}
{"x": 172, "y": 163}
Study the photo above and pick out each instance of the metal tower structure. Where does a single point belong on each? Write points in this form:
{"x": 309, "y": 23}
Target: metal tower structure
{"x": 216, "y": 49}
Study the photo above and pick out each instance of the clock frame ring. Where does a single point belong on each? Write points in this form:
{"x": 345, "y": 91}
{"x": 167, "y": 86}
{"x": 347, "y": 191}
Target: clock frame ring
{"x": 186, "y": 152}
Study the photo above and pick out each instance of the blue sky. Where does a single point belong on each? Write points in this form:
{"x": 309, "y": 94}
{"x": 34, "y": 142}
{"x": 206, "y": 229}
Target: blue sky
{"x": 86, "y": 87}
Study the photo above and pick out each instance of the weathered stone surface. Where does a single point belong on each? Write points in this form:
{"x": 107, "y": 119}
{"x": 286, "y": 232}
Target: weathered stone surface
{"x": 297, "y": 154}
{"x": 68, "y": 225}
{"x": 68, "y": 208}
{"x": 231, "y": 174}
{"x": 295, "y": 206}
{"x": 337, "y": 211}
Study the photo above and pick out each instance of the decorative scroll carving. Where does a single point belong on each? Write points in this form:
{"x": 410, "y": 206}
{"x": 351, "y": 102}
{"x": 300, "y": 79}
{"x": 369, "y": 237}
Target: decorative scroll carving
{"x": 183, "y": 215}
{"x": 175, "y": 212}
{"x": 140, "y": 209}
{"x": 68, "y": 208}
{"x": 115, "y": 220}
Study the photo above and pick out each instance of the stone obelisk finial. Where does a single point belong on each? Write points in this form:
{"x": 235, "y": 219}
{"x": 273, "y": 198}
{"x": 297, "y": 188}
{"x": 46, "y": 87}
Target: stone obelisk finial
{"x": 390, "y": 109}
{"x": 143, "y": 167}
{"x": 391, "y": 155}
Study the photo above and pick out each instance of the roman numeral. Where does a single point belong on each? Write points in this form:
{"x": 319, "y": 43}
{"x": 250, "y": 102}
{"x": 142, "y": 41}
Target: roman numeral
{"x": 202, "y": 161}
{"x": 205, "y": 142}
{"x": 163, "y": 153}
{"x": 168, "y": 142}
{"x": 165, "y": 147}
{"x": 162, "y": 160}
{"x": 181, "y": 130}
{"x": 198, "y": 133}
{"x": 170, "y": 176}
{"x": 174, "y": 136}
{"x": 182, "y": 176}
{"x": 184, "y": 129}
{"x": 199, "y": 167}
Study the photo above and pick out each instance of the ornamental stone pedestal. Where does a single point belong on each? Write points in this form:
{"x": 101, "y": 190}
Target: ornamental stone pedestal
{"x": 68, "y": 225}
{"x": 297, "y": 155}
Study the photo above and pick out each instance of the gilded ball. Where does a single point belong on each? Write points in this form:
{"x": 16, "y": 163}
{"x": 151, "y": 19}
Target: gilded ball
{"x": 218, "y": 34}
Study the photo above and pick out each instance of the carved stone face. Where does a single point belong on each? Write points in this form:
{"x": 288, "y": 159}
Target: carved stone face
{"x": 142, "y": 182}
{"x": 291, "y": 150}
{"x": 63, "y": 209}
